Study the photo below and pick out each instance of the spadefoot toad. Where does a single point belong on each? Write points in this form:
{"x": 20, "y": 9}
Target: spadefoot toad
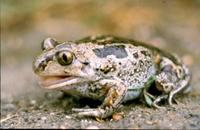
{"x": 112, "y": 70}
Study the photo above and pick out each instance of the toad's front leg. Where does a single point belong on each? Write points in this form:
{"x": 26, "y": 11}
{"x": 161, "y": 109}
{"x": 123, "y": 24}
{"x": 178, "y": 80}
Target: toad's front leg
{"x": 116, "y": 92}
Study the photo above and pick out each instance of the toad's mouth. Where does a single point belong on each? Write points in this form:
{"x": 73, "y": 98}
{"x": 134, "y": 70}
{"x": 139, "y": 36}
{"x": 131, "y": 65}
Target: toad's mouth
{"x": 51, "y": 82}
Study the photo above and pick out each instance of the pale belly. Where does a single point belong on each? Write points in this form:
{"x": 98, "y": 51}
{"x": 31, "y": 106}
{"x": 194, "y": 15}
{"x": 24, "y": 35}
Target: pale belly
{"x": 132, "y": 94}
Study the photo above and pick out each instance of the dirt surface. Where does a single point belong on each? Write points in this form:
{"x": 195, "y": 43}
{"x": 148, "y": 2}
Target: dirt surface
{"x": 170, "y": 25}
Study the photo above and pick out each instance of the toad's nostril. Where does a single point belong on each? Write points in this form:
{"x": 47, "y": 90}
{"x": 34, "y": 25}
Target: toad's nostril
{"x": 39, "y": 66}
{"x": 41, "y": 62}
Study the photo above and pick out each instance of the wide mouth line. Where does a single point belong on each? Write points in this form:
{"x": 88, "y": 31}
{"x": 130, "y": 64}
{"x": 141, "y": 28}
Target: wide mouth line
{"x": 46, "y": 81}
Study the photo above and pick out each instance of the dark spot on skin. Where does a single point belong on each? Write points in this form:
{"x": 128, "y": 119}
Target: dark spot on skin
{"x": 47, "y": 59}
{"x": 145, "y": 53}
{"x": 86, "y": 63}
{"x": 42, "y": 65}
{"x": 131, "y": 74}
{"x": 135, "y": 55}
{"x": 117, "y": 50}
{"x": 166, "y": 87}
{"x": 133, "y": 63}
{"x": 101, "y": 69}
{"x": 148, "y": 62}
{"x": 44, "y": 62}
{"x": 135, "y": 70}
{"x": 106, "y": 72}
{"x": 141, "y": 63}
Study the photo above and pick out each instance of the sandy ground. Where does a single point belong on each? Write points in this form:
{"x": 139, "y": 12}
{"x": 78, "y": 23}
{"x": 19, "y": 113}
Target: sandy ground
{"x": 24, "y": 25}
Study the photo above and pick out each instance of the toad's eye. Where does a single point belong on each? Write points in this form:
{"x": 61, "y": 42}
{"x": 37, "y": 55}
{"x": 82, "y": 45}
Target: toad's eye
{"x": 49, "y": 43}
{"x": 64, "y": 57}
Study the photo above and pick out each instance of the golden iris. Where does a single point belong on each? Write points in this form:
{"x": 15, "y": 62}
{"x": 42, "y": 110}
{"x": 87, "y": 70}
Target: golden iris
{"x": 64, "y": 57}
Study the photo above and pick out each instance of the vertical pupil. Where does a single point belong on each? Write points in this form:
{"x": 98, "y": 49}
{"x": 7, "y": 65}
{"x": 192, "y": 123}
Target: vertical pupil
{"x": 64, "y": 57}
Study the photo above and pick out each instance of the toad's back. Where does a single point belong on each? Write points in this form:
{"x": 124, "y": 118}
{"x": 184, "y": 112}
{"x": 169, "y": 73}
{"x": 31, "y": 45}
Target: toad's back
{"x": 134, "y": 65}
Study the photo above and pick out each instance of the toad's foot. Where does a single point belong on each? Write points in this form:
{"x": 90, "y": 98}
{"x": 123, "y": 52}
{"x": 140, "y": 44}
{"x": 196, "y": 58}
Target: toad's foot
{"x": 153, "y": 101}
{"x": 158, "y": 100}
{"x": 95, "y": 112}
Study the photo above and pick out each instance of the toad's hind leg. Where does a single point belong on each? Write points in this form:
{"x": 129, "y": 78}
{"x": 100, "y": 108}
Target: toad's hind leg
{"x": 182, "y": 84}
{"x": 171, "y": 79}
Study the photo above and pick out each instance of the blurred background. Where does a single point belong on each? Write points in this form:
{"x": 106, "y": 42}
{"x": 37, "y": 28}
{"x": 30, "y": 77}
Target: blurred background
{"x": 173, "y": 25}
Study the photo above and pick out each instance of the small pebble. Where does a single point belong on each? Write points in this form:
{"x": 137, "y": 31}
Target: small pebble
{"x": 43, "y": 118}
{"x": 84, "y": 121}
{"x": 117, "y": 116}
{"x": 33, "y": 102}
{"x": 149, "y": 122}
{"x": 41, "y": 106}
{"x": 62, "y": 127}
{"x": 52, "y": 114}
{"x": 92, "y": 127}
{"x": 68, "y": 117}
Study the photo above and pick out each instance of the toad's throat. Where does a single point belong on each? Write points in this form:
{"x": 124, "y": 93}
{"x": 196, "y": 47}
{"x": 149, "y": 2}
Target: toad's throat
{"x": 51, "y": 82}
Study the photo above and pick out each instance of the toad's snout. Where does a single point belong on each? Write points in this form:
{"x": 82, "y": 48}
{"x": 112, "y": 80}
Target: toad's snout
{"x": 38, "y": 66}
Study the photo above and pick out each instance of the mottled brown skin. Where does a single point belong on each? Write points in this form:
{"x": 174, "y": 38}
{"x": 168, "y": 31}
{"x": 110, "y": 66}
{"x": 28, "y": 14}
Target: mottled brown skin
{"x": 111, "y": 69}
